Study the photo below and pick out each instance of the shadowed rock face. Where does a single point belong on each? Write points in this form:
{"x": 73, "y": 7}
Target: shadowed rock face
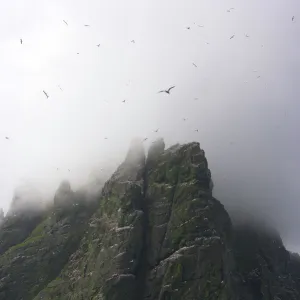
{"x": 154, "y": 233}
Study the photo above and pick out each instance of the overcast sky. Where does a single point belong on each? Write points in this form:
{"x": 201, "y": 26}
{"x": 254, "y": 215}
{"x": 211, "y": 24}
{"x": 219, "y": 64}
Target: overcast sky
{"x": 247, "y": 125}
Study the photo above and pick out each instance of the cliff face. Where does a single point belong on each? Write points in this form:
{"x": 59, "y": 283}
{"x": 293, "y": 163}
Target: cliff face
{"x": 154, "y": 233}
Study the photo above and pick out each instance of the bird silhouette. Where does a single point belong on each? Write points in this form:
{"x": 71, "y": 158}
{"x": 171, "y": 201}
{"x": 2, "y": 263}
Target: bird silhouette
{"x": 194, "y": 65}
{"x": 258, "y": 77}
{"x": 77, "y": 52}
{"x": 46, "y": 94}
{"x": 98, "y": 45}
{"x": 167, "y": 91}
{"x": 21, "y": 41}
{"x": 7, "y": 138}
{"x": 188, "y": 28}
{"x": 156, "y": 130}
{"x": 232, "y": 37}
{"x": 246, "y": 35}
{"x": 145, "y": 139}
{"x": 124, "y": 101}
{"x": 196, "y": 130}
{"x": 230, "y": 9}
{"x": 69, "y": 170}
{"x": 105, "y": 138}
{"x": 184, "y": 119}
{"x": 293, "y": 18}
{"x": 196, "y": 98}
{"x": 86, "y": 25}
{"x": 60, "y": 88}
{"x": 133, "y": 41}
{"x": 66, "y": 23}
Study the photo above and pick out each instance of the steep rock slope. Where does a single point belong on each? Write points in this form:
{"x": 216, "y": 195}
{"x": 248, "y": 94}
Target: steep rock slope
{"x": 265, "y": 270}
{"x": 27, "y": 267}
{"x": 154, "y": 233}
{"x": 188, "y": 230}
{"x": 158, "y": 233}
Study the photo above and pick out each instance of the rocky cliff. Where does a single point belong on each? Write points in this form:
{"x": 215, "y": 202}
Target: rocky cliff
{"x": 155, "y": 232}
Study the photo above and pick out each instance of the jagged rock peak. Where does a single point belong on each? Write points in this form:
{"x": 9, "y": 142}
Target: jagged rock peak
{"x": 133, "y": 166}
{"x": 156, "y": 149}
{"x": 64, "y": 193}
{"x": 64, "y": 186}
{"x": 136, "y": 153}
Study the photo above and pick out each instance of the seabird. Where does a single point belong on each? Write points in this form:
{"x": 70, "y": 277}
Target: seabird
{"x": 60, "y": 87}
{"x": 246, "y": 35}
{"x": 133, "y": 41}
{"x": 196, "y": 130}
{"x": 167, "y": 91}
{"x": 184, "y": 119}
{"x": 195, "y": 65}
{"x": 65, "y": 22}
{"x": 188, "y": 28}
{"x": 145, "y": 139}
{"x": 156, "y": 130}
{"x": 46, "y": 94}
{"x": 124, "y": 101}
{"x": 98, "y": 45}
{"x": 293, "y": 18}
{"x": 232, "y": 37}
{"x": 105, "y": 138}
{"x": 7, "y": 138}
{"x": 86, "y": 25}
{"x": 21, "y": 41}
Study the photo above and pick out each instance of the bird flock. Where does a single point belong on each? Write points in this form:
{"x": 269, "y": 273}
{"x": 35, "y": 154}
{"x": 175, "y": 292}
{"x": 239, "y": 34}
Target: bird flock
{"x": 165, "y": 91}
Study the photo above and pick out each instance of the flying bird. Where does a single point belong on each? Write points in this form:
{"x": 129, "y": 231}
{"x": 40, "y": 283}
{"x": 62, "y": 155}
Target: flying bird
{"x": 196, "y": 98}
{"x": 69, "y": 170}
{"x": 188, "y": 28}
{"x": 184, "y": 119}
{"x": 86, "y": 25}
{"x": 258, "y": 77}
{"x": 145, "y": 139}
{"x": 195, "y": 65}
{"x": 98, "y": 45}
{"x": 196, "y": 130}
{"x": 105, "y": 138}
{"x": 133, "y": 41}
{"x": 66, "y": 23}
{"x": 77, "y": 52}
{"x": 246, "y": 35}
{"x": 46, "y": 94}
{"x": 229, "y": 10}
{"x": 232, "y": 37}
{"x": 60, "y": 88}
{"x": 293, "y": 18}
{"x": 7, "y": 138}
{"x": 21, "y": 41}
{"x": 167, "y": 91}
{"x": 124, "y": 101}
{"x": 156, "y": 130}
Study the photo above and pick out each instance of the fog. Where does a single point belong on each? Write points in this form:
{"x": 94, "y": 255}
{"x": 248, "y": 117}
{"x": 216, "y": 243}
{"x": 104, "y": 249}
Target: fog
{"x": 243, "y": 96}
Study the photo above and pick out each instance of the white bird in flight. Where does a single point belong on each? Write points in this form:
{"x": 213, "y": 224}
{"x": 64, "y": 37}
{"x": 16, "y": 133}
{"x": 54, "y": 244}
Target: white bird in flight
{"x": 167, "y": 91}
{"x": 46, "y": 94}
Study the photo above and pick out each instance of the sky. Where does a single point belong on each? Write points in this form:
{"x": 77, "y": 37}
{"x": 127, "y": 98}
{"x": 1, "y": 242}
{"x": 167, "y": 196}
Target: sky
{"x": 242, "y": 96}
